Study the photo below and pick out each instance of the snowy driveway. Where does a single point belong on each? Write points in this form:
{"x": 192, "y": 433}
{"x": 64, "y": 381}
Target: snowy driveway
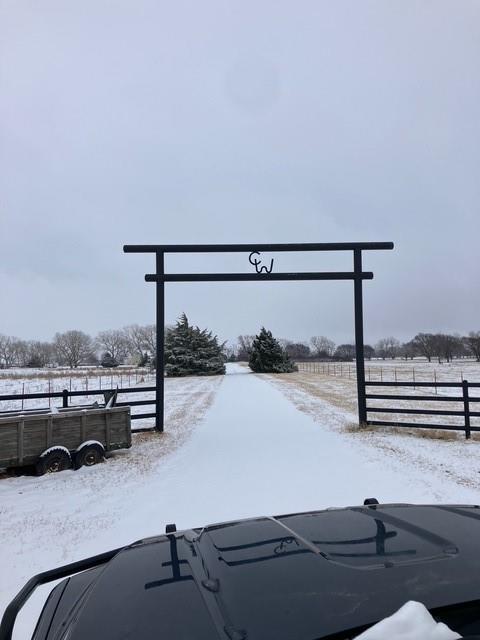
{"x": 255, "y": 453}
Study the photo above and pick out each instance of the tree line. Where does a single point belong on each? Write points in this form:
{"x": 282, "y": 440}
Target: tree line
{"x": 441, "y": 346}
{"x": 134, "y": 344}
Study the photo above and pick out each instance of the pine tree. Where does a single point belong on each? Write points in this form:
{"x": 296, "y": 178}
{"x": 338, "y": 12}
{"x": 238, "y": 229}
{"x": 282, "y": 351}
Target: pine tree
{"x": 267, "y": 356}
{"x": 190, "y": 351}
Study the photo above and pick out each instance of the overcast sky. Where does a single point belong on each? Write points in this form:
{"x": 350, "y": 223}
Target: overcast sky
{"x": 252, "y": 121}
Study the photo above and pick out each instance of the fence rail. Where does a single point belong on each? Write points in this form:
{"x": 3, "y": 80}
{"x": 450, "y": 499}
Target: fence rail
{"x": 66, "y": 394}
{"x": 465, "y": 399}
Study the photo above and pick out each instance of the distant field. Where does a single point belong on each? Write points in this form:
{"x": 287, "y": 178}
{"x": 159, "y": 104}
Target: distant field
{"x": 20, "y": 381}
{"x": 418, "y": 370}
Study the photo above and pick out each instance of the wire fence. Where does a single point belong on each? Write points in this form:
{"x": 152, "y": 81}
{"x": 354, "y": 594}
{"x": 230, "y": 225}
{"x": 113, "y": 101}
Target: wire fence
{"x": 379, "y": 373}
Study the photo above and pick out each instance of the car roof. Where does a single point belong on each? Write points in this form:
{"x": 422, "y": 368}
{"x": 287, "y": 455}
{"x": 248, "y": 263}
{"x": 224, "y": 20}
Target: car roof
{"x": 302, "y": 576}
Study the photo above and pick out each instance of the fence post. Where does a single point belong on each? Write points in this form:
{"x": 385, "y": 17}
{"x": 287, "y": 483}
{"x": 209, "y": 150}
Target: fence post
{"x": 65, "y": 398}
{"x": 413, "y": 375}
{"x": 466, "y": 408}
{"x": 435, "y": 380}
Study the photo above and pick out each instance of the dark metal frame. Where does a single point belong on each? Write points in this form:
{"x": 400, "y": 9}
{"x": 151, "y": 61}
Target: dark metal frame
{"x": 160, "y": 278}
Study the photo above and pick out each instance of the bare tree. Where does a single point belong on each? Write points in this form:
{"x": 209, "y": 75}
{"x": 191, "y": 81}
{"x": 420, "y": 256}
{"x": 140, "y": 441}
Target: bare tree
{"x": 21, "y": 352}
{"x": 408, "y": 350}
{"x": 150, "y": 338}
{"x": 73, "y": 347}
{"x": 388, "y": 347}
{"x": 8, "y": 350}
{"x": 135, "y": 340}
{"x": 368, "y": 351}
{"x": 447, "y": 346}
{"x": 473, "y": 343}
{"x": 426, "y": 345}
{"x": 381, "y": 348}
{"x": 345, "y": 351}
{"x": 298, "y": 350}
{"x": 141, "y": 340}
{"x": 245, "y": 344}
{"x": 322, "y": 347}
{"x": 40, "y": 354}
{"x": 115, "y": 343}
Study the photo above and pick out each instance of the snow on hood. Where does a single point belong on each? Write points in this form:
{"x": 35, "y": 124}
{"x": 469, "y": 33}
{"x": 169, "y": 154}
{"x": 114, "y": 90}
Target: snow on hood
{"x": 410, "y": 622}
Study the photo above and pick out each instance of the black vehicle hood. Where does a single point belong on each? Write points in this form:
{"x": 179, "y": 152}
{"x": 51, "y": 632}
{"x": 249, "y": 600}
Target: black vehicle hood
{"x": 298, "y": 576}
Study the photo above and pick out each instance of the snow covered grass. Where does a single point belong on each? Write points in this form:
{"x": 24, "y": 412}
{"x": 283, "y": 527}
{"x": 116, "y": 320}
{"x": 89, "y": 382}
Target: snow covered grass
{"x": 54, "y": 519}
{"x": 19, "y": 381}
{"x": 331, "y": 402}
{"x": 341, "y": 391}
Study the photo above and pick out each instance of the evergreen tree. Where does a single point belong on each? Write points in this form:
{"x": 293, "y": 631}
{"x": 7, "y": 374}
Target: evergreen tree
{"x": 267, "y": 356}
{"x": 190, "y": 351}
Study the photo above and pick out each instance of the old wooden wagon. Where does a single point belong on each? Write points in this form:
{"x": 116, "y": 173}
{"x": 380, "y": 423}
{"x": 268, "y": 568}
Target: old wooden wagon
{"x": 54, "y": 441}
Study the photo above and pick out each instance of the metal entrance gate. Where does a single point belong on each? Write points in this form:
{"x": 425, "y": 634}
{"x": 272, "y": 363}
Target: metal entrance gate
{"x": 263, "y": 273}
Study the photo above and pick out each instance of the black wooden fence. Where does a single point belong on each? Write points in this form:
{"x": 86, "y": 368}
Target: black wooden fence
{"x": 66, "y": 394}
{"x": 465, "y": 399}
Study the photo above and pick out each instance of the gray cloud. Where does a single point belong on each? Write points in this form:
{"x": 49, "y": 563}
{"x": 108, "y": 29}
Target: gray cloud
{"x": 225, "y": 122}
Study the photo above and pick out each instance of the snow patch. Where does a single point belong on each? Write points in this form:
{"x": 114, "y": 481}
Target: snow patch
{"x": 410, "y": 622}
{"x": 89, "y": 443}
{"x": 55, "y": 448}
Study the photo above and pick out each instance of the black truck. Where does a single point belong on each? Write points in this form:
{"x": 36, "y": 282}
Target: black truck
{"x": 326, "y": 574}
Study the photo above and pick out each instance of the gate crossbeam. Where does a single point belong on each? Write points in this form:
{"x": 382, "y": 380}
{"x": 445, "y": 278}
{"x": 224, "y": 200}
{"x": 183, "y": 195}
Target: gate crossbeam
{"x": 248, "y": 277}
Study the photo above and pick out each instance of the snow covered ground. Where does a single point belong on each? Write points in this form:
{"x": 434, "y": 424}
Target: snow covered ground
{"x": 52, "y": 520}
{"x": 339, "y": 379}
{"x": 431, "y": 455}
{"x": 265, "y": 446}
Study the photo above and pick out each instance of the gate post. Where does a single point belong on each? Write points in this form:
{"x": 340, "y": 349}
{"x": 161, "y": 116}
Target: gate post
{"x": 466, "y": 408}
{"x": 160, "y": 356}
{"x": 359, "y": 351}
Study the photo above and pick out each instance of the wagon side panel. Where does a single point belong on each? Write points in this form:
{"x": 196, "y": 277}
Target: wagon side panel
{"x": 119, "y": 429}
{"x": 9, "y": 444}
{"x": 35, "y": 439}
{"x": 67, "y": 431}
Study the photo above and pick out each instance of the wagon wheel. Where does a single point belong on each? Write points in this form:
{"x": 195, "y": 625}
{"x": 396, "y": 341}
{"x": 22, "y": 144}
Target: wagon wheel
{"x": 89, "y": 455}
{"x": 53, "y": 461}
